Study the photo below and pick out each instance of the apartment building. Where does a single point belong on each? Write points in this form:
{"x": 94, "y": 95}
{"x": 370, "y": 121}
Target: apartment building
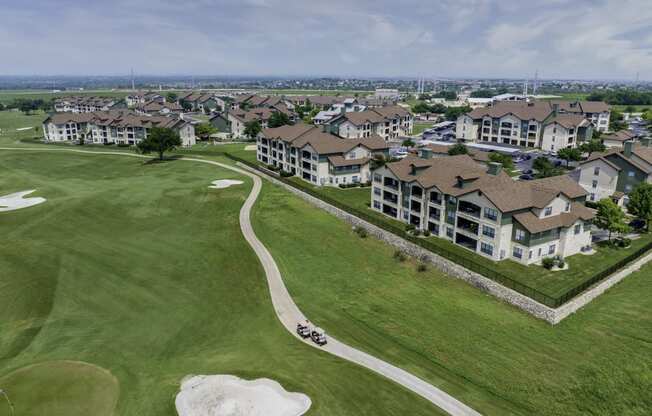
{"x": 617, "y": 139}
{"x": 318, "y": 157}
{"x": 597, "y": 112}
{"x": 111, "y": 127}
{"x": 388, "y": 123}
{"x": 484, "y": 210}
{"x": 157, "y": 107}
{"x": 616, "y": 172}
{"x": 237, "y": 119}
{"x": 83, "y": 104}
{"x": 199, "y": 101}
{"x": 347, "y": 105}
{"x": 141, "y": 97}
{"x": 533, "y": 124}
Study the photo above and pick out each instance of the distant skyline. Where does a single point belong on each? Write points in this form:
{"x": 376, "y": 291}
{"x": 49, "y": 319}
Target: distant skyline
{"x": 583, "y": 39}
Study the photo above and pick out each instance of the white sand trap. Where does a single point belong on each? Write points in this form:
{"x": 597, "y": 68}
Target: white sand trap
{"x": 250, "y": 147}
{"x": 23, "y": 128}
{"x": 224, "y": 395}
{"x": 16, "y": 201}
{"x": 224, "y": 183}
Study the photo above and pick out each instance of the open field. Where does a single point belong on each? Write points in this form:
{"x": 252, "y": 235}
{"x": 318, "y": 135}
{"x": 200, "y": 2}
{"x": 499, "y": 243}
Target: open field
{"x": 139, "y": 272}
{"x": 360, "y": 93}
{"x": 554, "y": 284}
{"x": 7, "y": 96}
{"x": 490, "y": 355}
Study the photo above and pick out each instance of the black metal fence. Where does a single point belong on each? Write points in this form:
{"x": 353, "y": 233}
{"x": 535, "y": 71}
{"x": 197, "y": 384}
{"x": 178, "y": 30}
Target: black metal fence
{"x": 455, "y": 257}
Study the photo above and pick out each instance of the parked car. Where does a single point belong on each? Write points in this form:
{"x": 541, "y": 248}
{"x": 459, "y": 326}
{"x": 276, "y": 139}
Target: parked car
{"x": 526, "y": 177}
{"x": 318, "y": 336}
{"x": 528, "y": 172}
{"x": 637, "y": 224}
{"x": 303, "y": 330}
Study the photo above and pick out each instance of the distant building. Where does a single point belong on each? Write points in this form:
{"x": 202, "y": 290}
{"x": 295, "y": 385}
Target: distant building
{"x": 318, "y": 157}
{"x": 345, "y": 106}
{"x": 112, "y": 127}
{"x": 199, "y": 101}
{"x": 538, "y": 124}
{"x": 388, "y": 123}
{"x": 157, "y": 107}
{"x": 387, "y": 94}
{"x": 482, "y": 209}
{"x": 83, "y": 104}
{"x": 618, "y": 138}
{"x": 616, "y": 172}
{"x": 142, "y": 97}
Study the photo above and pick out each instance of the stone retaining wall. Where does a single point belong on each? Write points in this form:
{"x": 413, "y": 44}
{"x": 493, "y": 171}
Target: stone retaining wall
{"x": 523, "y": 302}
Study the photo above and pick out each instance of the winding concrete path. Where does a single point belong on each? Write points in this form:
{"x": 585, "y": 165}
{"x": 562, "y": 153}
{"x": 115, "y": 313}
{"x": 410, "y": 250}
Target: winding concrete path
{"x": 289, "y": 314}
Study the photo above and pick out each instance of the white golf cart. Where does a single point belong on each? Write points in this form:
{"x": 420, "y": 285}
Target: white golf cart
{"x": 318, "y": 336}
{"x": 303, "y": 330}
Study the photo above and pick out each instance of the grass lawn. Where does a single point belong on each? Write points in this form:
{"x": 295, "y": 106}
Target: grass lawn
{"x": 554, "y": 284}
{"x": 492, "y": 356}
{"x": 11, "y": 120}
{"x": 420, "y": 127}
{"x": 7, "y": 96}
{"x": 140, "y": 272}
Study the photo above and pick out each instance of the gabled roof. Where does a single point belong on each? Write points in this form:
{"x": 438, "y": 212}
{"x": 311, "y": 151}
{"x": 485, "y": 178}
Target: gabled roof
{"x": 300, "y": 135}
{"x": 569, "y": 120}
{"x": 645, "y": 153}
{"x": 534, "y": 224}
{"x": 620, "y": 136}
{"x": 374, "y": 115}
{"x": 121, "y": 118}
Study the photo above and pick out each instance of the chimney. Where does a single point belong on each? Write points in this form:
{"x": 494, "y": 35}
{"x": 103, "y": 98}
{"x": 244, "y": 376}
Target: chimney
{"x": 413, "y": 169}
{"x": 494, "y": 168}
{"x": 324, "y": 128}
{"x": 426, "y": 153}
{"x": 555, "y": 108}
{"x": 628, "y": 146}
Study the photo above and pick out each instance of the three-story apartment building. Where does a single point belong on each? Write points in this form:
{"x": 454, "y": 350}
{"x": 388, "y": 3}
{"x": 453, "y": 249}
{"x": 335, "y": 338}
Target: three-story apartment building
{"x": 483, "y": 209}
{"x": 318, "y": 157}
{"x": 112, "y": 127}
{"x": 533, "y": 124}
{"x": 388, "y": 122}
{"x": 83, "y": 104}
{"x": 616, "y": 172}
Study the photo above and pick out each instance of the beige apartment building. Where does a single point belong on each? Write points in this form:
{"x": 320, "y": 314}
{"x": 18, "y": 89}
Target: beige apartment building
{"x": 321, "y": 158}
{"x": 83, "y": 104}
{"x": 388, "y": 122}
{"x": 111, "y": 127}
{"x": 484, "y": 210}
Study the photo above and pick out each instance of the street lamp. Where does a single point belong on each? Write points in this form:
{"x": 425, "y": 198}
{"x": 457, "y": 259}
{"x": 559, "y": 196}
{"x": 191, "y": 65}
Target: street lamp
{"x": 11, "y": 406}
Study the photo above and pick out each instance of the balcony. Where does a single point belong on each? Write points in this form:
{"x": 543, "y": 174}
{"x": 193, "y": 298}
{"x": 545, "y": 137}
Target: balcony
{"x": 390, "y": 197}
{"x": 468, "y": 226}
{"x": 466, "y": 242}
{"x": 468, "y": 208}
{"x": 390, "y": 183}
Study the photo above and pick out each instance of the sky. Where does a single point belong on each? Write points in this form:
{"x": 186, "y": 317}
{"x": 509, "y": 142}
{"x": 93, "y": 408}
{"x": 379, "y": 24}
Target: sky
{"x": 587, "y": 39}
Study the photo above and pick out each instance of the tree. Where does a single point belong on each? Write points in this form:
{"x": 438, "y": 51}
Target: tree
{"x": 610, "y": 217}
{"x": 420, "y": 108}
{"x": 407, "y": 143}
{"x": 640, "y": 203}
{"x": 204, "y": 130}
{"x": 542, "y": 163}
{"x": 2, "y": 107}
{"x": 159, "y": 140}
{"x": 569, "y": 154}
{"x": 616, "y": 122}
{"x": 278, "y": 119}
{"x": 458, "y": 149}
{"x": 452, "y": 113}
{"x": 379, "y": 160}
{"x": 171, "y": 97}
{"x": 592, "y": 146}
{"x": 505, "y": 160}
{"x": 448, "y": 95}
{"x": 186, "y": 105}
{"x": 252, "y": 128}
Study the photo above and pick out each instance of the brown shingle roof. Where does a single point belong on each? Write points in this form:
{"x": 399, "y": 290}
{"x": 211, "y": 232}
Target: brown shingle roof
{"x": 339, "y": 161}
{"x": 620, "y": 136}
{"x": 116, "y": 119}
{"x": 534, "y": 224}
{"x": 300, "y": 135}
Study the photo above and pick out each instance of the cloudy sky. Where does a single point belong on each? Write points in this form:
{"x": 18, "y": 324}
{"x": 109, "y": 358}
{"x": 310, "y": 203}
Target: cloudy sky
{"x": 436, "y": 38}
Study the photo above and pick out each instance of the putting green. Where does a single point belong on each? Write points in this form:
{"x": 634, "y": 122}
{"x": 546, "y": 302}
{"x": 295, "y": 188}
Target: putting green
{"x": 56, "y": 388}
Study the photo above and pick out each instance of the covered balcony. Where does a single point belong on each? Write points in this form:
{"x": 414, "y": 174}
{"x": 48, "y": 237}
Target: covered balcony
{"x": 390, "y": 183}
{"x": 465, "y": 241}
{"x": 469, "y": 208}
{"x": 467, "y": 225}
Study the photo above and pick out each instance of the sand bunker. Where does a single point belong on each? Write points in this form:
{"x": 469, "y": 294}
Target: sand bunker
{"x": 250, "y": 147}
{"x": 223, "y": 395}
{"x": 15, "y": 201}
{"x": 23, "y": 128}
{"x": 224, "y": 183}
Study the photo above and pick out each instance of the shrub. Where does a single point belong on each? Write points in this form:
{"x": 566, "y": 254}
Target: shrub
{"x": 426, "y": 233}
{"x": 561, "y": 263}
{"x": 591, "y": 204}
{"x": 286, "y": 174}
{"x": 421, "y": 267}
{"x": 409, "y": 228}
{"x": 400, "y": 256}
{"x": 623, "y": 242}
{"x": 548, "y": 263}
{"x": 361, "y": 232}
{"x": 417, "y": 232}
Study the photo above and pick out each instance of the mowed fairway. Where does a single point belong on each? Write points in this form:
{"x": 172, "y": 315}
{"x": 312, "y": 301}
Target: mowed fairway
{"x": 138, "y": 273}
{"x": 489, "y": 355}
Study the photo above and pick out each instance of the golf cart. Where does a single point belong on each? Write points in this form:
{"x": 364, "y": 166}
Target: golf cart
{"x": 303, "y": 330}
{"x": 318, "y": 336}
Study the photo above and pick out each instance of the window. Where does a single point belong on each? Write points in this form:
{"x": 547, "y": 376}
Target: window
{"x": 596, "y": 170}
{"x": 491, "y": 214}
{"x": 592, "y": 198}
{"x": 434, "y": 213}
{"x": 452, "y": 200}
{"x": 594, "y": 184}
{"x": 377, "y": 178}
{"x": 628, "y": 188}
{"x": 551, "y": 249}
{"x": 568, "y": 206}
{"x": 488, "y": 231}
{"x": 449, "y": 232}
{"x": 519, "y": 235}
{"x": 487, "y": 249}
{"x": 578, "y": 228}
{"x": 450, "y": 215}
{"x": 547, "y": 212}
{"x": 377, "y": 191}
{"x": 631, "y": 173}
{"x": 518, "y": 252}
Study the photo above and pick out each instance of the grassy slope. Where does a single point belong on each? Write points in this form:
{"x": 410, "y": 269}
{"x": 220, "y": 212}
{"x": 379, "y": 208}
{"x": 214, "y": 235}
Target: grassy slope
{"x": 494, "y": 357}
{"x": 142, "y": 270}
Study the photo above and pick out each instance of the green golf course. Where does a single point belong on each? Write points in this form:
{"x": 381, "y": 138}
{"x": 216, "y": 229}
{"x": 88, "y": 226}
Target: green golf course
{"x": 133, "y": 275}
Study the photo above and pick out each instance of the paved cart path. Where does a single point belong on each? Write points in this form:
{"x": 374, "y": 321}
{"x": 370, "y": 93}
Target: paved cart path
{"x": 289, "y": 314}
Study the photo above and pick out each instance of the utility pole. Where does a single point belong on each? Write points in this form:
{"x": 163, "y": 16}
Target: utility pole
{"x": 536, "y": 81}
{"x": 11, "y": 405}
{"x": 133, "y": 82}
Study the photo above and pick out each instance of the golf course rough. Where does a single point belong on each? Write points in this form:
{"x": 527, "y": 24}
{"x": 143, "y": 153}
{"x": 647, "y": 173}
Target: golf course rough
{"x": 55, "y": 387}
